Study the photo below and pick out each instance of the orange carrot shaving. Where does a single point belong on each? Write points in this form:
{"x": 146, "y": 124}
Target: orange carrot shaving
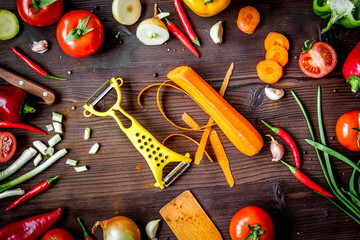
{"x": 221, "y": 156}
{"x": 158, "y": 101}
{"x": 190, "y": 122}
{"x": 248, "y": 19}
{"x": 200, "y": 152}
{"x": 274, "y": 38}
{"x": 191, "y": 139}
{"x": 279, "y": 54}
{"x": 269, "y": 71}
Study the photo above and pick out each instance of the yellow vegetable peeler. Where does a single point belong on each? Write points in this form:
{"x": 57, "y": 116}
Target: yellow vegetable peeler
{"x": 156, "y": 154}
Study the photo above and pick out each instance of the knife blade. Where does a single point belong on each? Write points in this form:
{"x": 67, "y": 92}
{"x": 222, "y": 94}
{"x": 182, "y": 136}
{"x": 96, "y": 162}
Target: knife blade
{"x": 28, "y": 86}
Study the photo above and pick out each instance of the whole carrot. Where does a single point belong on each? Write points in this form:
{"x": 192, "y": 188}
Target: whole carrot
{"x": 31, "y": 228}
{"x": 176, "y": 31}
{"x": 34, "y": 66}
{"x": 33, "y": 192}
{"x": 185, "y": 22}
{"x": 306, "y": 180}
{"x": 7, "y": 124}
{"x": 289, "y": 140}
{"x": 86, "y": 233}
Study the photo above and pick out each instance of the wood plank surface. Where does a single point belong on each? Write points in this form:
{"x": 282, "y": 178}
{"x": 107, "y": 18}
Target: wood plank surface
{"x": 119, "y": 181}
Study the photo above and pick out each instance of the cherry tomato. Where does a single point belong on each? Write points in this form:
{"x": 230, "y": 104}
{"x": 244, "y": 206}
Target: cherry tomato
{"x": 348, "y": 130}
{"x": 57, "y": 234}
{"x": 257, "y": 218}
{"x": 318, "y": 59}
{"x": 44, "y": 16}
{"x": 88, "y": 43}
{"x": 7, "y": 146}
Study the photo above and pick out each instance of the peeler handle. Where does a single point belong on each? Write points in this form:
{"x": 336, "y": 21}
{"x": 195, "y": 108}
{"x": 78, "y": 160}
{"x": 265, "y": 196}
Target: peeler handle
{"x": 28, "y": 86}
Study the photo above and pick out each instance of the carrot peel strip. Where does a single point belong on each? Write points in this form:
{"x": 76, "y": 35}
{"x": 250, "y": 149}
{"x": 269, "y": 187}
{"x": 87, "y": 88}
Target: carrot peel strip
{"x": 191, "y": 139}
{"x": 221, "y": 156}
{"x": 190, "y": 122}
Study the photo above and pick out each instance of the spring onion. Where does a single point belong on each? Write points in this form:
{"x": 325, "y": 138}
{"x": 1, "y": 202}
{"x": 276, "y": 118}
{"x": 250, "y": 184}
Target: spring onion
{"x": 49, "y": 127}
{"x": 41, "y": 147}
{"x": 71, "y": 162}
{"x": 54, "y": 140}
{"x": 50, "y": 151}
{"x": 58, "y": 127}
{"x": 37, "y": 159}
{"x": 59, "y": 154}
{"x": 87, "y": 133}
{"x": 24, "y": 158}
{"x": 80, "y": 169}
{"x": 57, "y": 117}
{"x": 13, "y": 192}
{"x": 94, "y": 148}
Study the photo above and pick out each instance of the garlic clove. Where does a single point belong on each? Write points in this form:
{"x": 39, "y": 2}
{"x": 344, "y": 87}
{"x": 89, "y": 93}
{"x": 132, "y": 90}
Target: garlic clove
{"x": 216, "y": 32}
{"x": 151, "y": 229}
{"x": 277, "y": 149}
{"x": 273, "y": 93}
{"x": 40, "y": 46}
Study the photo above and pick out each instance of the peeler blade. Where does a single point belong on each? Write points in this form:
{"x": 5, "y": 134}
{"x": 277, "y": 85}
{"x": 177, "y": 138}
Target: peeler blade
{"x": 175, "y": 173}
{"x": 101, "y": 95}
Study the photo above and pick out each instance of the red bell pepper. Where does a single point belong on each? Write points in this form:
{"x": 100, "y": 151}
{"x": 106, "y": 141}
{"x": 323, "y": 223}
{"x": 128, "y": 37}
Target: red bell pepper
{"x": 351, "y": 68}
{"x": 31, "y": 228}
{"x": 13, "y": 104}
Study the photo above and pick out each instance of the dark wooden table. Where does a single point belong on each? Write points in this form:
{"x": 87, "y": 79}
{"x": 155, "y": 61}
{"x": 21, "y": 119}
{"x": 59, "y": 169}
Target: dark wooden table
{"x": 119, "y": 182}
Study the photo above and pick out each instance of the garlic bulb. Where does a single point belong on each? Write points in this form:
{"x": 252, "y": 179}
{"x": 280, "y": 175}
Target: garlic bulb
{"x": 273, "y": 93}
{"x": 40, "y": 46}
{"x": 216, "y": 32}
{"x": 277, "y": 150}
{"x": 151, "y": 229}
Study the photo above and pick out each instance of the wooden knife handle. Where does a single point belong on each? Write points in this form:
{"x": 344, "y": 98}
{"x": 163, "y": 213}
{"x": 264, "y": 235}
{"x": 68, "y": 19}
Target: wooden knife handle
{"x": 28, "y": 86}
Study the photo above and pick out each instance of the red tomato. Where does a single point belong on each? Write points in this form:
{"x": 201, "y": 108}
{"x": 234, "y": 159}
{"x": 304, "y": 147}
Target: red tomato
{"x": 88, "y": 43}
{"x": 253, "y": 216}
{"x": 57, "y": 234}
{"x": 319, "y": 60}
{"x": 348, "y": 130}
{"x": 7, "y": 146}
{"x": 44, "y": 16}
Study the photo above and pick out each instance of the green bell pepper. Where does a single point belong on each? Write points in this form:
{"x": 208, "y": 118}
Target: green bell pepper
{"x": 343, "y": 12}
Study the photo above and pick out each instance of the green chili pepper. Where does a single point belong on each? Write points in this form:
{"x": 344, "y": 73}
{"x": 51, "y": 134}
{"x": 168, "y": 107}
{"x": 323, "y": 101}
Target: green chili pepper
{"x": 343, "y": 12}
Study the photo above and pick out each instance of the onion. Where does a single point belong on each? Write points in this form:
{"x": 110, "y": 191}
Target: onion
{"x": 118, "y": 228}
{"x": 126, "y": 12}
{"x": 152, "y": 31}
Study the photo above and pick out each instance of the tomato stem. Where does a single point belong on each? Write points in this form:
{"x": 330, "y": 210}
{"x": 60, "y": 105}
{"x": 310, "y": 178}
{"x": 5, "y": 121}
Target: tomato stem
{"x": 255, "y": 232}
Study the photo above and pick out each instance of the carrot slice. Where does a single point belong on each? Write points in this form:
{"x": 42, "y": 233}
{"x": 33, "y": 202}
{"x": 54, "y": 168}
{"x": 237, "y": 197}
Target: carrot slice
{"x": 269, "y": 71}
{"x": 248, "y": 19}
{"x": 279, "y": 54}
{"x": 221, "y": 156}
{"x": 190, "y": 122}
{"x": 274, "y": 38}
{"x": 200, "y": 152}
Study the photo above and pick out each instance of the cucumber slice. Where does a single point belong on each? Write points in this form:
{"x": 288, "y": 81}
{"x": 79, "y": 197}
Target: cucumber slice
{"x": 9, "y": 25}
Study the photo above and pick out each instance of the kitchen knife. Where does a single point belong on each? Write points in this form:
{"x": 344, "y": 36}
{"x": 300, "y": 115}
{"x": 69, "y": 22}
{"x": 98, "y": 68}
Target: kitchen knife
{"x": 28, "y": 86}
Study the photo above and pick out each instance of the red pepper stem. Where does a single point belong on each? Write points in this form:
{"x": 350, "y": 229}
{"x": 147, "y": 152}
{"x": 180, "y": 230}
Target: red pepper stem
{"x": 26, "y": 108}
{"x": 292, "y": 168}
{"x": 86, "y": 234}
{"x": 167, "y": 20}
{"x": 51, "y": 180}
{"x": 274, "y": 129}
{"x": 354, "y": 82}
{"x": 49, "y": 76}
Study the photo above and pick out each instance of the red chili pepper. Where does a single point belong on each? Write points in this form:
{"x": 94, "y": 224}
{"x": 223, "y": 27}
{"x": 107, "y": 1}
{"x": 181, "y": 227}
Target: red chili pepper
{"x": 176, "y": 31}
{"x": 33, "y": 192}
{"x": 306, "y": 180}
{"x": 288, "y": 139}
{"x": 351, "y": 68}
{"x": 7, "y": 124}
{"x": 13, "y": 104}
{"x": 34, "y": 66}
{"x": 31, "y": 228}
{"x": 86, "y": 233}
{"x": 185, "y": 22}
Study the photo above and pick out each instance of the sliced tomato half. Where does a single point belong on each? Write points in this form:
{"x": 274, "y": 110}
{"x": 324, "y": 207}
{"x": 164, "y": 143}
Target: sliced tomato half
{"x": 318, "y": 59}
{"x": 7, "y": 146}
